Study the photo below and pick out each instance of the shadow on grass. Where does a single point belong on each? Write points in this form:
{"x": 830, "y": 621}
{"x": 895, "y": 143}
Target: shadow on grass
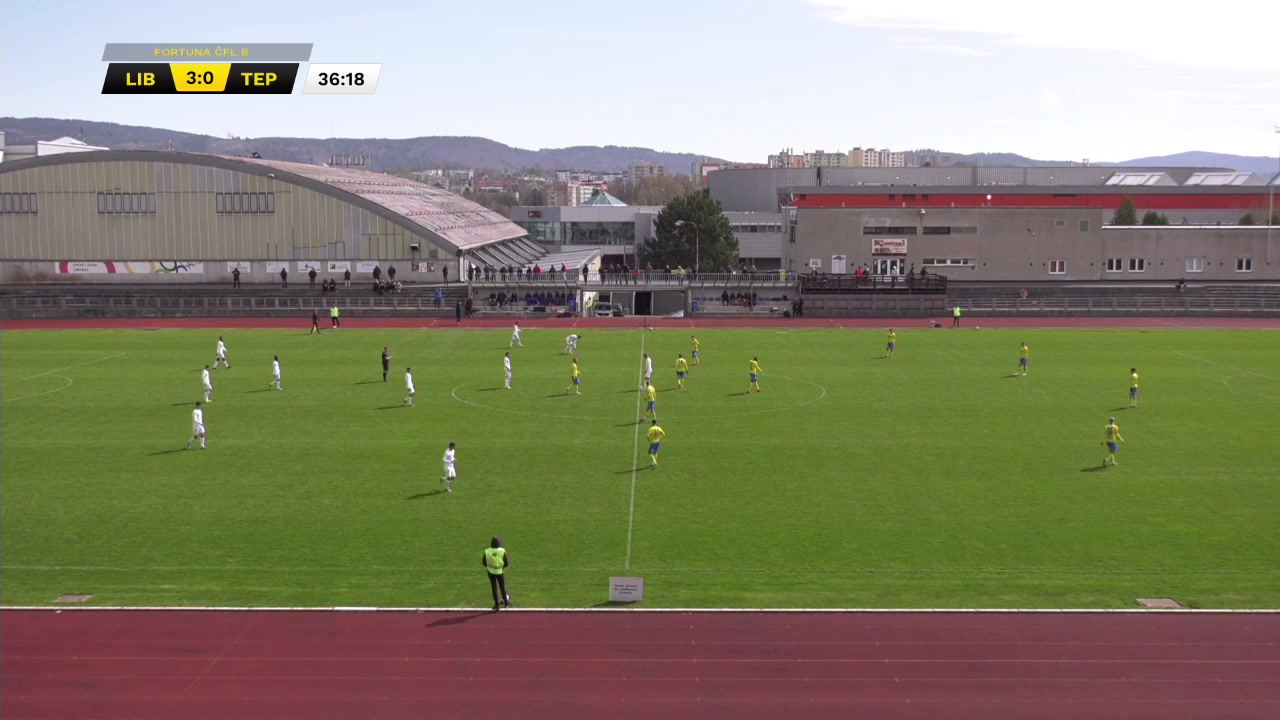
{"x": 370, "y": 382}
{"x": 638, "y": 468}
{"x": 880, "y": 357}
{"x": 250, "y": 392}
{"x": 738, "y": 394}
{"x": 559, "y": 394}
{"x": 633, "y": 423}
{"x": 393, "y": 407}
{"x": 423, "y": 495}
{"x": 167, "y": 452}
{"x": 1094, "y": 468}
{"x": 1121, "y": 409}
{"x": 457, "y": 619}
{"x": 488, "y": 389}
{"x": 1014, "y": 375}
{"x": 180, "y": 404}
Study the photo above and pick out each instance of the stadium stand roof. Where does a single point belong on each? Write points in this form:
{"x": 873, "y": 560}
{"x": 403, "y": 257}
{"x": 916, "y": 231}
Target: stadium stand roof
{"x": 1141, "y": 178}
{"x": 604, "y": 198}
{"x": 455, "y": 222}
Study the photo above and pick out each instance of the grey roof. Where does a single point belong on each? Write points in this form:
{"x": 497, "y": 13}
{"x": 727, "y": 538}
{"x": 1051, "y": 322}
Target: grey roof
{"x": 1025, "y": 190}
{"x": 604, "y": 198}
{"x": 1225, "y": 178}
{"x": 1141, "y": 178}
{"x": 455, "y": 222}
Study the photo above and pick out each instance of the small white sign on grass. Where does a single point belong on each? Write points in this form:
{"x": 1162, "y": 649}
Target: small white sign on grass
{"x": 626, "y": 589}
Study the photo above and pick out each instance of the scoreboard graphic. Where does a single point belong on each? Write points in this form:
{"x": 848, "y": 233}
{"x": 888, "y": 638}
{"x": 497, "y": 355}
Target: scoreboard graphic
{"x": 246, "y": 69}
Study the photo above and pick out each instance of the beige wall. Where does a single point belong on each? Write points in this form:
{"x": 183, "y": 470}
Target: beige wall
{"x": 1018, "y": 244}
{"x": 306, "y": 225}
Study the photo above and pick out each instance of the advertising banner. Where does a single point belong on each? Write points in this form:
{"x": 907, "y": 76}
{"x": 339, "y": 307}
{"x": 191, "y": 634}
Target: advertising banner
{"x": 306, "y": 266}
{"x": 243, "y": 266}
{"x": 337, "y": 266}
{"x": 275, "y": 267}
{"x": 889, "y": 246}
{"x": 132, "y": 267}
{"x": 366, "y": 266}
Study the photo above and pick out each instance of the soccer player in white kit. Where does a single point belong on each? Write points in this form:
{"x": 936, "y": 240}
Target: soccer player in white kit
{"x": 275, "y": 372}
{"x": 506, "y": 366}
{"x": 197, "y": 428}
{"x": 208, "y": 384}
{"x": 408, "y": 383}
{"x": 450, "y": 474}
{"x": 220, "y": 355}
{"x": 571, "y": 344}
{"x": 648, "y": 372}
{"x": 515, "y": 336}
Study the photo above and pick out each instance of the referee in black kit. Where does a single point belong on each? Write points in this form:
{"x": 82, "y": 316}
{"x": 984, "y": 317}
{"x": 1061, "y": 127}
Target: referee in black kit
{"x": 386, "y": 362}
{"x": 496, "y": 562}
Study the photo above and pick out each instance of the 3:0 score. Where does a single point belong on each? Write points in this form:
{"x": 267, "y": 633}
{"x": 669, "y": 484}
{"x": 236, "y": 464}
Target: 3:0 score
{"x": 342, "y": 79}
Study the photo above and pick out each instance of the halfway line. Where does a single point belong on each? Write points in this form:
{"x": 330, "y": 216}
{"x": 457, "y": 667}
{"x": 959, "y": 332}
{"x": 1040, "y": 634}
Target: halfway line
{"x": 635, "y": 459}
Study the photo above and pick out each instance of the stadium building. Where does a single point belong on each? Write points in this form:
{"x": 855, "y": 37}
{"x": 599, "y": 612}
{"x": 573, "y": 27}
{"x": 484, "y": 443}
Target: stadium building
{"x": 172, "y": 216}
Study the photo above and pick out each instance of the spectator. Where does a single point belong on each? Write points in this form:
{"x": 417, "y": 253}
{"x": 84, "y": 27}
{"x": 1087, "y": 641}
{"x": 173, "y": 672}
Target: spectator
{"x": 495, "y": 564}
{"x": 457, "y": 313}
{"x": 346, "y": 278}
{"x": 284, "y": 277}
{"x": 445, "y": 269}
{"x": 235, "y": 277}
{"x": 377, "y": 272}
{"x": 391, "y": 273}
{"x": 312, "y": 277}
{"x": 439, "y": 297}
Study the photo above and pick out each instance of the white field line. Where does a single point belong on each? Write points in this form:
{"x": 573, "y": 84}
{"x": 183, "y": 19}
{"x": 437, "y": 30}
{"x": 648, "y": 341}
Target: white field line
{"x": 69, "y": 383}
{"x": 58, "y": 370}
{"x": 635, "y": 460}
{"x": 1228, "y": 367}
{"x": 882, "y": 611}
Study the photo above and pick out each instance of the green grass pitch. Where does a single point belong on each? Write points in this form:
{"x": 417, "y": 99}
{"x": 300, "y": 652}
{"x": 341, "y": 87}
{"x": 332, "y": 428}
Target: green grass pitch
{"x": 935, "y": 479}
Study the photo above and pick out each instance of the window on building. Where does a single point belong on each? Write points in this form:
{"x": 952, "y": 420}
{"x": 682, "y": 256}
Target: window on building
{"x": 943, "y": 262}
{"x": 1115, "y": 265}
{"x": 889, "y": 230}
{"x": 1059, "y": 223}
{"x": 244, "y": 203}
{"x": 126, "y": 203}
{"x": 1137, "y": 265}
{"x": 1084, "y": 226}
{"x": 18, "y": 203}
{"x": 1195, "y": 264}
{"x": 937, "y": 230}
{"x": 815, "y": 263}
{"x": 1244, "y": 264}
{"x": 1057, "y": 267}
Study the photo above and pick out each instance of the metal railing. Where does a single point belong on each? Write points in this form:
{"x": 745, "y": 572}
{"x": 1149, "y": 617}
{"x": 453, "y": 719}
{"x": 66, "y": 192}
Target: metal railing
{"x": 634, "y": 279}
{"x": 851, "y": 284}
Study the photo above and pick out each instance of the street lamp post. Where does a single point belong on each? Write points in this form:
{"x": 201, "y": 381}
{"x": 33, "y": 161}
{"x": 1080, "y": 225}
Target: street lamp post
{"x": 697, "y": 246}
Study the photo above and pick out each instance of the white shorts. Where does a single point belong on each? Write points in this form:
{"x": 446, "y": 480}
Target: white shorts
{"x": 411, "y": 392}
{"x": 275, "y": 376}
{"x": 208, "y": 388}
{"x": 508, "y": 374}
{"x": 449, "y": 472}
{"x": 197, "y": 429}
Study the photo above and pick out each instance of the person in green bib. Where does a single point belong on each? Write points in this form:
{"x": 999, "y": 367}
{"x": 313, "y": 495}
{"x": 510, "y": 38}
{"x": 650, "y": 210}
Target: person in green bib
{"x": 496, "y": 562}
{"x": 333, "y": 317}
{"x": 955, "y": 317}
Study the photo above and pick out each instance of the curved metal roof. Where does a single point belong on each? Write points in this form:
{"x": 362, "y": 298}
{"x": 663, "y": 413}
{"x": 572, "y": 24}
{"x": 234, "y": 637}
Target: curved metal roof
{"x": 455, "y": 222}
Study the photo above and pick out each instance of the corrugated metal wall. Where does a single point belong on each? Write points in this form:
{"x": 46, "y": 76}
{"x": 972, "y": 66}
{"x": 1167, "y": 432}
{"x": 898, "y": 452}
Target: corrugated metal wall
{"x": 305, "y": 225}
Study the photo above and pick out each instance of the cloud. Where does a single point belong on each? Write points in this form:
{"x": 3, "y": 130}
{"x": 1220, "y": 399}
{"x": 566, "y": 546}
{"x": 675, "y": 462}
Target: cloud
{"x": 1049, "y": 99}
{"x": 924, "y": 43}
{"x": 1146, "y": 30}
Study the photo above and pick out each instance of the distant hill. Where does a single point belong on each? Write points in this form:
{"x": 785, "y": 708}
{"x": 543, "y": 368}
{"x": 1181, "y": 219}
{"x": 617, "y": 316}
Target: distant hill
{"x": 474, "y": 152}
{"x": 384, "y": 154}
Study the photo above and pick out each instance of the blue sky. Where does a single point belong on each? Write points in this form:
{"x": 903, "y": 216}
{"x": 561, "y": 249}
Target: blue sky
{"x": 729, "y": 78}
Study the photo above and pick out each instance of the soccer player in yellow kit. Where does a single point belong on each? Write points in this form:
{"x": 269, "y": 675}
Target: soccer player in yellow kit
{"x": 656, "y": 434}
{"x": 755, "y": 376}
{"x": 892, "y": 344}
{"x": 682, "y": 369}
{"x": 697, "y": 351}
{"x": 1133, "y": 387}
{"x": 1111, "y": 436}
{"x": 1023, "y": 358}
{"x": 651, "y": 394}
{"x": 575, "y": 379}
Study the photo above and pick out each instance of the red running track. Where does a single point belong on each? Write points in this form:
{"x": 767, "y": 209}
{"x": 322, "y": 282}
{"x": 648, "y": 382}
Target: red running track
{"x": 175, "y": 665}
{"x": 744, "y": 323}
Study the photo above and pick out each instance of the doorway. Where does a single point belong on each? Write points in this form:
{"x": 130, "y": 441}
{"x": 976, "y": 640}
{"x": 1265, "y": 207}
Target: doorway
{"x": 889, "y": 266}
{"x": 838, "y": 266}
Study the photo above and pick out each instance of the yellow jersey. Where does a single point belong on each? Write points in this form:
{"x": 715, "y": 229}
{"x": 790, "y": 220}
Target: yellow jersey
{"x": 696, "y": 344}
{"x": 755, "y": 367}
{"x": 1112, "y": 433}
{"x": 651, "y": 393}
{"x": 893, "y": 337}
{"x": 656, "y": 434}
{"x": 681, "y": 365}
{"x": 1026, "y": 351}
{"x": 1133, "y": 380}
{"x": 575, "y": 370}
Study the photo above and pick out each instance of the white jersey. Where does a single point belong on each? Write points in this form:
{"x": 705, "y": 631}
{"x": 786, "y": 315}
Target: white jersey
{"x": 197, "y": 421}
{"x": 275, "y": 368}
{"x": 515, "y": 332}
{"x": 449, "y": 457}
{"x": 648, "y": 366}
{"x": 571, "y": 340}
{"x": 222, "y": 349}
{"x": 506, "y": 364}
{"x": 204, "y": 377}
{"x": 408, "y": 381}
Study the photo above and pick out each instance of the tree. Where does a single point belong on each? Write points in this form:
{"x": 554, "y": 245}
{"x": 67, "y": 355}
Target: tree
{"x": 1151, "y": 217}
{"x": 534, "y": 196}
{"x": 1248, "y": 219}
{"x": 703, "y": 241}
{"x": 1126, "y": 214}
